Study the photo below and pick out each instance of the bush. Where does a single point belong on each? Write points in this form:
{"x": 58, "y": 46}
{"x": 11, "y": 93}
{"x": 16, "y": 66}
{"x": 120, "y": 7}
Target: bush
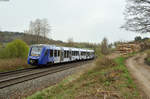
{"x": 147, "y": 59}
{"x": 104, "y": 62}
{"x": 3, "y": 53}
{"x": 104, "y": 47}
{"x": 98, "y": 52}
{"x": 15, "y": 49}
{"x": 148, "y": 53}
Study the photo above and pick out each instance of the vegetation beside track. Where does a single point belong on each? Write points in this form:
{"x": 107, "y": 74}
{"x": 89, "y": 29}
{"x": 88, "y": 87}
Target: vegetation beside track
{"x": 108, "y": 78}
{"x": 13, "y": 64}
{"x": 14, "y": 56}
{"x": 147, "y": 59}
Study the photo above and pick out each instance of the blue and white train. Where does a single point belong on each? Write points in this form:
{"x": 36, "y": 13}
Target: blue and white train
{"x": 41, "y": 54}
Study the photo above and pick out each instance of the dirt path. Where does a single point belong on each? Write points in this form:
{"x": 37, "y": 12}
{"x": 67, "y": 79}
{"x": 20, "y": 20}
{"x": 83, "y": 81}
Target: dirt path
{"x": 140, "y": 71}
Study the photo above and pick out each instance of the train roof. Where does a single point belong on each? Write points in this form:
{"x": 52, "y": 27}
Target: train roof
{"x": 75, "y": 49}
{"x": 64, "y": 48}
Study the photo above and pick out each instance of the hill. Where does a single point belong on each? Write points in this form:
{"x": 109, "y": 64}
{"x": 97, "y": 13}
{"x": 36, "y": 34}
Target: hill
{"x": 8, "y": 36}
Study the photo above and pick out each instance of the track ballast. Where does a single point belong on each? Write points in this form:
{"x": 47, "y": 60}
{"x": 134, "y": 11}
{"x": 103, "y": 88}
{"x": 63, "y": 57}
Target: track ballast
{"x": 14, "y": 77}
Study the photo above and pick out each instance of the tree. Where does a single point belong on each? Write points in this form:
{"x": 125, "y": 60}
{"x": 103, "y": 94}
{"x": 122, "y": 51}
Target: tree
{"x": 15, "y": 49}
{"x": 137, "y": 16}
{"x": 138, "y": 38}
{"x": 70, "y": 42}
{"x": 39, "y": 27}
{"x": 104, "y": 46}
{"x": 45, "y": 28}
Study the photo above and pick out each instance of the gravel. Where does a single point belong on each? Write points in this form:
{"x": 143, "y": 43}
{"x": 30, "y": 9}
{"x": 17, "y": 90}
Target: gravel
{"x": 29, "y": 87}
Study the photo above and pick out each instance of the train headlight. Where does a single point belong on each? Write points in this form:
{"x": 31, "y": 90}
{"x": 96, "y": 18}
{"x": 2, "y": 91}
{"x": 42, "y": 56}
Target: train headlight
{"x": 31, "y": 61}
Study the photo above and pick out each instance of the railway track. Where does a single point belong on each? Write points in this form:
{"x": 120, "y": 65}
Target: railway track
{"x": 16, "y": 71}
{"x": 15, "y": 77}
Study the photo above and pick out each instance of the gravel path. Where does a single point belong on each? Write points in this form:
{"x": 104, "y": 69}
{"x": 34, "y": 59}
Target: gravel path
{"x": 27, "y": 88}
{"x": 141, "y": 72}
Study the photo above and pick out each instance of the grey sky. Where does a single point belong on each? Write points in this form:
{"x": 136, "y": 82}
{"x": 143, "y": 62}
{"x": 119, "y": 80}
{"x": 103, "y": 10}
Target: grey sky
{"x": 83, "y": 20}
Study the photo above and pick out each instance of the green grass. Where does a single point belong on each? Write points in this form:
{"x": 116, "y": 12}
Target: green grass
{"x": 125, "y": 74}
{"x": 107, "y": 75}
{"x": 131, "y": 54}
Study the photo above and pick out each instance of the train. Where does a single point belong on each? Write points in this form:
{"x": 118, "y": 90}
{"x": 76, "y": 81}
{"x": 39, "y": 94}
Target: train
{"x": 43, "y": 54}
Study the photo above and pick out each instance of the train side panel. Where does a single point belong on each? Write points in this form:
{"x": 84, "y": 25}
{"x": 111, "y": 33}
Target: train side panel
{"x": 52, "y": 54}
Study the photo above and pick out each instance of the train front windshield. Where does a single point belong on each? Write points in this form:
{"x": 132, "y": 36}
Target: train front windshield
{"x": 36, "y": 50}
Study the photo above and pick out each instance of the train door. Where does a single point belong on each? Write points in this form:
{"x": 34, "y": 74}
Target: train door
{"x": 61, "y": 55}
{"x": 51, "y": 53}
{"x": 79, "y": 55}
{"x": 70, "y": 55}
{"x": 51, "y": 56}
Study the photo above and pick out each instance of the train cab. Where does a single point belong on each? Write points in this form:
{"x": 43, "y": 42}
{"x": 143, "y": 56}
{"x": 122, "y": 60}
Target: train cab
{"x": 35, "y": 53}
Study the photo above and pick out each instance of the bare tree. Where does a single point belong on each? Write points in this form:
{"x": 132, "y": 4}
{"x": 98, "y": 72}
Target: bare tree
{"x": 70, "y": 41}
{"x": 29, "y": 35}
{"x": 45, "y": 28}
{"x": 104, "y": 46}
{"x": 137, "y": 16}
{"x": 39, "y": 27}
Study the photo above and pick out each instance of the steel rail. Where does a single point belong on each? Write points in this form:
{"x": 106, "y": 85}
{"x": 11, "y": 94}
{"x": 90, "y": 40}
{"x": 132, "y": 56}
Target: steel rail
{"x": 16, "y": 71}
{"x": 2, "y": 74}
{"x": 22, "y": 78}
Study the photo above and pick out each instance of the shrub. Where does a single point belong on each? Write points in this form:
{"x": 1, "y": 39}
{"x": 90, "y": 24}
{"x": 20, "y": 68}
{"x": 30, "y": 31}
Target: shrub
{"x": 104, "y": 47}
{"x": 98, "y": 51}
{"x": 147, "y": 59}
{"x": 15, "y": 49}
{"x": 104, "y": 62}
{"x": 3, "y": 53}
{"x": 148, "y": 53}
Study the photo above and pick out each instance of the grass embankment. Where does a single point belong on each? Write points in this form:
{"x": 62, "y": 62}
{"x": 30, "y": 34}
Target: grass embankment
{"x": 109, "y": 78}
{"x": 147, "y": 59}
{"x": 13, "y": 64}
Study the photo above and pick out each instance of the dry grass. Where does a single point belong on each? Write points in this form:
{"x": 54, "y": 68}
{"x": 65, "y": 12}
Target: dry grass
{"x": 12, "y": 64}
{"x": 104, "y": 63}
{"x": 108, "y": 79}
{"x": 147, "y": 59}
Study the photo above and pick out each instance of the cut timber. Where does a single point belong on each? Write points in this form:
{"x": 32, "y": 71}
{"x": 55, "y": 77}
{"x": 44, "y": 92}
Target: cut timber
{"x": 126, "y": 48}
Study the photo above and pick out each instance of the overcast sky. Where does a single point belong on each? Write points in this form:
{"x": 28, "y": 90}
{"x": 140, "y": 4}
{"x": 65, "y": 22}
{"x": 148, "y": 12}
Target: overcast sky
{"x": 83, "y": 20}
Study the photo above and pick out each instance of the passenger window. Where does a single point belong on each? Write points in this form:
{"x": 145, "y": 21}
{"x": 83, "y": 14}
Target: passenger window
{"x": 81, "y": 53}
{"x": 64, "y": 54}
{"x": 55, "y": 53}
{"x": 67, "y": 53}
{"x": 58, "y": 52}
{"x": 46, "y": 52}
{"x": 51, "y": 53}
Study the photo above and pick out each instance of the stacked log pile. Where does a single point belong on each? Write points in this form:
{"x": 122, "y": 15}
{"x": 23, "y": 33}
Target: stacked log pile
{"x": 127, "y": 48}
